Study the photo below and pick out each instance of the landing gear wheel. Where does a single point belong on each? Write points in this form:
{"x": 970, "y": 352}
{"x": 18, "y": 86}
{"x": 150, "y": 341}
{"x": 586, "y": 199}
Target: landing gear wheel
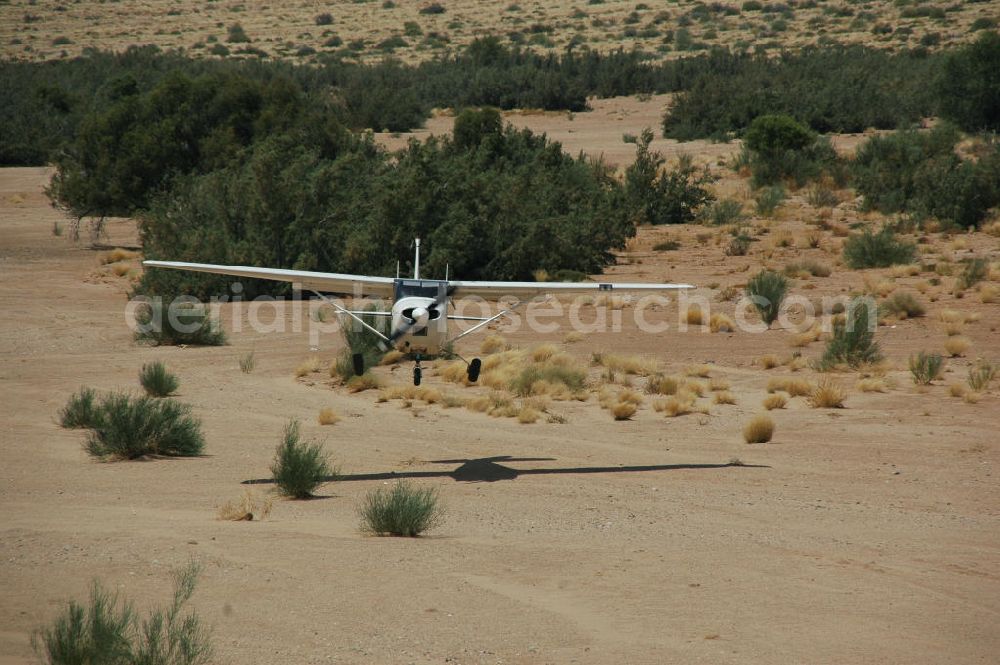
{"x": 416, "y": 376}
{"x": 358, "y": 360}
{"x": 473, "y": 371}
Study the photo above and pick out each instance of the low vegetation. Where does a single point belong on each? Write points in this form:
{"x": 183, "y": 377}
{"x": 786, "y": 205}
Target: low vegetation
{"x": 853, "y": 340}
{"x": 247, "y": 508}
{"x": 108, "y": 629}
{"x": 827, "y": 394}
{"x": 300, "y": 467}
{"x": 925, "y": 367}
{"x": 902, "y": 305}
{"x": 157, "y": 381}
{"x": 877, "y": 250}
{"x": 760, "y": 429}
{"x": 164, "y": 324}
{"x": 402, "y": 510}
{"x": 767, "y": 290}
{"x": 82, "y": 411}
{"x": 981, "y": 375}
{"x": 129, "y": 427}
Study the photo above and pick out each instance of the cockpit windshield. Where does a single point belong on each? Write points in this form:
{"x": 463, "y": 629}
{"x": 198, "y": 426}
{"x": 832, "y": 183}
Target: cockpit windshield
{"x": 425, "y": 288}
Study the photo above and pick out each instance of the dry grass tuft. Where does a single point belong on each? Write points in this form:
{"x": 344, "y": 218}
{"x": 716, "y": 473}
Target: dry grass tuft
{"x": 988, "y": 293}
{"x": 956, "y": 390}
{"x": 313, "y": 364}
{"x": 543, "y": 352}
{"x": 806, "y": 338}
{"x": 391, "y": 357}
{"x": 954, "y": 328}
{"x": 951, "y": 316}
{"x": 718, "y": 383}
{"x": 956, "y": 346}
{"x": 117, "y": 255}
{"x": 493, "y": 344}
{"x": 528, "y": 415}
{"x": 694, "y": 315}
{"x": 772, "y": 402}
{"x": 769, "y": 362}
{"x": 676, "y": 406}
{"x": 636, "y": 365}
{"x": 327, "y": 416}
{"x": 721, "y": 323}
{"x": 357, "y": 384}
{"x": 659, "y": 384}
{"x": 827, "y": 394}
{"x": 972, "y": 397}
{"x": 794, "y": 387}
{"x": 623, "y": 410}
{"x": 573, "y": 337}
{"x": 631, "y": 396}
{"x": 724, "y": 397}
{"x": 247, "y": 508}
{"x": 872, "y": 385}
{"x": 760, "y": 429}
{"x": 701, "y": 371}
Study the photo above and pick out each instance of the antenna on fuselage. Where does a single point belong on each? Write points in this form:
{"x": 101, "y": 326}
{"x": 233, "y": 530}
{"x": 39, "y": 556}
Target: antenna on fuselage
{"x": 416, "y": 261}
{"x": 397, "y": 269}
{"x": 447, "y": 267}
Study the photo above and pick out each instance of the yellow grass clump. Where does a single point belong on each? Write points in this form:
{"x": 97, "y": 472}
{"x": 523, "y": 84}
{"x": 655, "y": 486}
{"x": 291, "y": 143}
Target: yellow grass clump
{"x": 658, "y": 384}
{"x": 956, "y": 390}
{"x": 528, "y": 415}
{"x": 493, "y": 344}
{"x": 313, "y": 364}
{"x": 951, "y": 316}
{"x": 327, "y": 416}
{"x": 636, "y": 365}
{"x": 769, "y": 361}
{"x": 724, "y": 397}
{"x": 701, "y": 371}
{"x": 630, "y": 396}
{"x": 543, "y": 352}
{"x": 872, "y": 385}
{"x": 806, "y": 338}
{"x": 760, "y": 429}
{"x": 573, "y": 337}
{"x": 972, "y": 397}
{"x": 775, "y": 401}
{"x": 675, "y": 406}
{"x": 118, "y": 254}
{"x": 694, "y": 315}
{"x": 988, "y": 293}
{"x": 827, "y": 394}
{"x": 357, "y": 384}
{"x": 794, "y": 387}
{"x": 954, "y": 328}
{"x": 623, "y": 410}
{"x": 721, "y": 323}
{"x": 718, "y": 383}
{"x": 956, "y": 346}
{"x": 391, "y": 357}
{"x": 247, "y": 508}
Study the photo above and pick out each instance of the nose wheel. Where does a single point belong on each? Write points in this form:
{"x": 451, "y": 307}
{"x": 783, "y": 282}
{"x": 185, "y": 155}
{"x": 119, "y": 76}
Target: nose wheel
{"x": 417, "y": 372}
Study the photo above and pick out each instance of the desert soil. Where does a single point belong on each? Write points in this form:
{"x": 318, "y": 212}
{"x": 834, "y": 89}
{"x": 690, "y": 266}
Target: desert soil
{"x": 868, "y": 534}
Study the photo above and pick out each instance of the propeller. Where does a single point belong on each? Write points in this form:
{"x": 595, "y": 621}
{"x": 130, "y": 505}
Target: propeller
{"x": 421, "y": 316}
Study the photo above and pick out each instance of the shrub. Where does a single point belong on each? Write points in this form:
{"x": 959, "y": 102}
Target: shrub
{"x": 877, "y": 250}
{"x": 819, "y": 196}
{"x": 656, "y": 196}
{"x": 853, "y": 339}
{"x": 768, "y": 199}
{"x": 299, "y": 467}
{"x": 981, "y": 375}
{"x": 969, "y": 84}
{"x": 177, "y": 323}
{"x": 248, "y": 362}
{"x": 666, "y": 246}
{"x": 80, "y": 412}
{"x": 623, "y": 410}
{"x": 236, "y": 34}
{"x": 131, "y": 427}
{"x": 902, "y": 305}
{"x": 739, "y": 245}
{"x": 827, "y": 394}
{"x": 925, "y": 367}
{"x": 573, "y": 378}
{"x": 433, "y": 8}
{"x": 403, "y": 510}
{"x": 156, "y": 380}
{"x": 326, "y": 18}
{"x": 974, "y": 272}
{"x": 767, "y": 291}
{"x": 358, "y": 339}
{"x": 759, "y": 429}
{"x": 725, "y": 212}
{"x": 775, "y": 401}
{"x": 107, "y": 630}
{"x": 328, "y": 416}
{"x": 956, "y": 346}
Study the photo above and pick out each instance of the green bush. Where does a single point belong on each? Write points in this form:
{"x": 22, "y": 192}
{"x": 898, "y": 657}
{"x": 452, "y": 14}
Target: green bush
{"x": 877, "y": 250}
{"x": 902, "y": 305}
{"x": 975, "y": 271}
{"x": 969, "y": 84}
{"x": 925, "y": 367}
{"x": 156, "y": 380}
{"x": 656, "y": 196}
{"x": 739, "y": 245}
{"x": 724, "y": 212}
{"x": 782, "y": 148}
{"x": 177, "y": 323}
{"x": 299, "y": 468}
{"x": 768, "y": 199}
{"x": 853, "y": 340}
{"x": 767, "y": 290}
{"x": 403, "y": 510}
{"x": 358, "y": 339}
{"x": 81, "y": 412}
{"x": 921, "y": 173}
{"x": 130, "y": 427}
{"x": 981, "y": 375}
{"x": 572, "y": 378}
{"x": 108, "y": 631}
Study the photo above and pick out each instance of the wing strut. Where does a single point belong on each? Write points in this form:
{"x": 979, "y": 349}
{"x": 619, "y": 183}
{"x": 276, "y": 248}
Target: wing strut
{"x": 482, "y": 322}
{"x": 352, "y": 315}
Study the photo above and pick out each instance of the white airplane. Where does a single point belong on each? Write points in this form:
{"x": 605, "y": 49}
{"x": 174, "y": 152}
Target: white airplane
{"x": 419, "y": 313}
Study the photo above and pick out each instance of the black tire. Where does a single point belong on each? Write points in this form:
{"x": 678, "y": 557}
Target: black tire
{"x": 416, "y": 376}
{"x": 358, "y": 361}
{"x": 474, "y": 367}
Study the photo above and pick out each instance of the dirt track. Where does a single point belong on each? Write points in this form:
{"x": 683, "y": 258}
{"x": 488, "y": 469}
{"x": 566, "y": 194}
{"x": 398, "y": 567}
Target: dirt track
{"x": 869, "y": 534}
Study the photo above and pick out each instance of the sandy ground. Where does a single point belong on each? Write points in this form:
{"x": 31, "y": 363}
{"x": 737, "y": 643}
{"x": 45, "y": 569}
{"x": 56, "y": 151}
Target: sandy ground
{"x": 869, "y": 534}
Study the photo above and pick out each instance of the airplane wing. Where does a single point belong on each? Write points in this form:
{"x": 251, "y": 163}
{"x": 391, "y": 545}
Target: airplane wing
{"x": 458, "y": 289}
{"x": 357, "y": 285}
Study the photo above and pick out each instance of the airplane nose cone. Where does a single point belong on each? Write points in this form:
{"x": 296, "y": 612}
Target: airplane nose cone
{"x": 420, "y": 316}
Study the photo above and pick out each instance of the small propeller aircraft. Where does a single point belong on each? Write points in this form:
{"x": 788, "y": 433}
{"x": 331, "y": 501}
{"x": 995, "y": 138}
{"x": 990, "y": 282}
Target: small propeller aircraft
{"x": 419, "y": 313}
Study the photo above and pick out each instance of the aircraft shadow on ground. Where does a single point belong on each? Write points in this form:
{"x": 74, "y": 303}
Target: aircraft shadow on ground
{"x": 489, "y": 470}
